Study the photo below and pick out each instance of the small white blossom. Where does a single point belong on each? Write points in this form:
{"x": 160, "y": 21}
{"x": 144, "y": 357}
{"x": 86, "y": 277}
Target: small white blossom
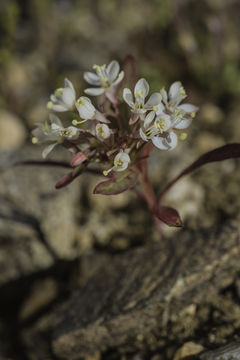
{"x": 154, "y": 125}
{"x": 182, "y": 115}
{"x": 102, "y": 131}
{"x": 105, "y": 78}
{"x": 141, "y": 91}
{"x": 167, "y": 142}
{"x": 53, "y": 132}
{"x": 120, "y": 162}
{"x": 85, "y": 108}
{"x": 63, "y": 99}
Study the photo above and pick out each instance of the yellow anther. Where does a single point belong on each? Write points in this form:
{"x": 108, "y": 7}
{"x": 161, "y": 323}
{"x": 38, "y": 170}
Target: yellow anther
{"x": 34, "y": 140}
{"x": 50, "y": 105}
{"x": 99, "y": 67}
{"x": 106, "y": 172}
{"x": 182, "y": 91}
{"x": 155, "y": 108}
{"x": 193, "y": 114}
{"x": 58, "y": 92}
{"x": 140, "y": 93}
{"x": 183, "y": 136}
{"x": 80, "y": 102}
{"x": 75, "y": 122}
{"x": 119, "y": 163}
{"x": 160, "y": 125}
{"x": 66, "y": 133}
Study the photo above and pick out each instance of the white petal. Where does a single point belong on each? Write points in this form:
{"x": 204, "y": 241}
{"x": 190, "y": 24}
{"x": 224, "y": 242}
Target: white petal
{"x": 141, "y": 86}
{"x": 159, "y": 109}
{"x": 85, "y": 108}
{"x": 48, "y": 149}
{"x": 139, "y": 111}
{"x": 68, "y": 83}
{"x": 143, "y": 135}
{"x": 164, "y": 96}
{"x": 55, "y": 127}
{"x": 112, "y": 70}
{"x": 188, "y": 108}
{"x": 148, "y": 119}
{"x": 124, "y": 157}
{"x": 127, "y": 96}
{"x": 167, "y": 120}
{"x": 68, "y": 97}
{"x": 160, "y": 143}
{"x": 174, "y": 89}
{"x": 54, "y": 119}
{"x": 182, "y": 124}
{"x": 100, "y": 117}
{"x": 92, "y": 78}
{"x": 102, "y": 131}
{"x": 94, "y": 91}
{"x": 154, "y": 100}
{"x": 119, "y": 78}
{"x": 172, "y": 140}
{"x": 168, "y": 143}
{"x": 59, "y": 108}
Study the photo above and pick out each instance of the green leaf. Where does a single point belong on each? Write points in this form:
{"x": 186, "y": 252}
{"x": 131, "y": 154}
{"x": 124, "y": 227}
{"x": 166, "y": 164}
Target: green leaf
{"x": 117, "y": 184}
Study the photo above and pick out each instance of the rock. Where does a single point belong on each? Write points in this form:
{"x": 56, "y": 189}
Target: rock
{"x": 228, "y": 352}
{"x": 37, "y": 222}
{"x": 188, "y": 349}
{"x": 42, "y": 293}
{"x": 135, "y": 299}
{"x": 12, "y": 131}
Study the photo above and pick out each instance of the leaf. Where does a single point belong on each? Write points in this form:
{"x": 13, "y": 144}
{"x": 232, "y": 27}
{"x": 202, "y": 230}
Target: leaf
{"x": 229, "y": 151}
{"x": 169, "y": 216}
{"x": 117, "y": 184}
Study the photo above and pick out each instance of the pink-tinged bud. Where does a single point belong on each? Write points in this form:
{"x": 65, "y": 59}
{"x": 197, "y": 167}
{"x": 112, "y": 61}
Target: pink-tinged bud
{"x": 169, "y": 216}
{"x": 64, "y": 181}
{"x": 79, "y": 158}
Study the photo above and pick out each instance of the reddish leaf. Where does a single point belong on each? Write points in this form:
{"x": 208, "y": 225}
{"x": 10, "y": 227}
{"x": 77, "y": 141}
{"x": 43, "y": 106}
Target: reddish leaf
{"x": 43, "y": 163}
{"x": 117, "y": 184}
{"x": 229, "y": 151}
{"x": 169, "y": 216}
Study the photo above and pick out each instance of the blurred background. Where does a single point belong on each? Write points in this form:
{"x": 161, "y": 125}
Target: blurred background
{"x": 43, "y": 41}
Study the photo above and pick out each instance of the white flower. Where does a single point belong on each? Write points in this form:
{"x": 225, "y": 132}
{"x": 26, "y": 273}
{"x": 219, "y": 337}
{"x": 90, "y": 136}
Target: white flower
{"x": 104, "y": 78}
{"x": 154, "y": 125}
{"x": 120, "y": 162}
{"x": 102, "y": 131}
{"x": 182, "y": 115}
{"x": 85, "y": 108}
{"x": 141, "y": 91}
{"x": 54, "y": 133}
{"x": 63, "y": 99}
{"x": 168, "y": 142}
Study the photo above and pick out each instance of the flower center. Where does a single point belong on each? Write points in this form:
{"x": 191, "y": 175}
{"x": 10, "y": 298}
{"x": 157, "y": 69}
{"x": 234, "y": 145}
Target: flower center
{"x": 160, "y": 125}
{"x": 66, "y": 132}
{"x": 58, "y": 93}
{"x": 119, "y": 163}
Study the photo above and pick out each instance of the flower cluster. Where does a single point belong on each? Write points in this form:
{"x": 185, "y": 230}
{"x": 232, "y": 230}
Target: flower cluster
{"x": 103, "y": 135}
